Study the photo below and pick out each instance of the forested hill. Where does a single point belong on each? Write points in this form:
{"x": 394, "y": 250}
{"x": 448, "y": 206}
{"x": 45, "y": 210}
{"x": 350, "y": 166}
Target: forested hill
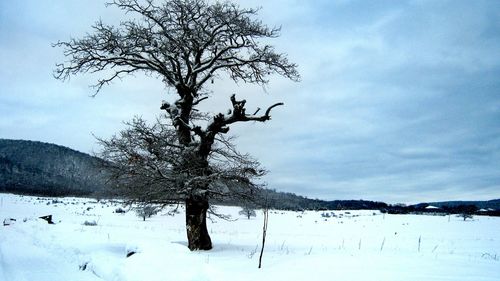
{"x": 291, "y": 201}
{"x": 490, "y": 204}
{"x": 32, "y": 167}
{"x": 37, "y": 168}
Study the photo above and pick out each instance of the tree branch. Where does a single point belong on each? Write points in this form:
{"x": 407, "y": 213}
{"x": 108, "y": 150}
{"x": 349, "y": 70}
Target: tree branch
{"x": 220, "y": 122}
{"x": 185, "y": 42}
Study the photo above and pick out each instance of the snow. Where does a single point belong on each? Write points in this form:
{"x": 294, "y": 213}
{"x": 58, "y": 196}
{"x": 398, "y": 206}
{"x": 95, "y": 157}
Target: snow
{"x": 432, "y": 207}
{"x": 354, "y": 245}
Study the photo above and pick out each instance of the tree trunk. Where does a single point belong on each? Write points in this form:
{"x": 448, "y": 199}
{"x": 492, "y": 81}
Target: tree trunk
{"x": 196, "y": 224}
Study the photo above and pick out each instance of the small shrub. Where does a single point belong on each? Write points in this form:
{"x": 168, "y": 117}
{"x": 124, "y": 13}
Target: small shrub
{"x": 146, "y": 211}
{"x": 466, "y": 216}
{"x": 8, "y": 221}
{"x": 83, "y": 266}
{"x": 247, "y": 212}
{"x": 173, "y": 212}
{"x": 120, "y": 211}
{"x": 90, "y": 223}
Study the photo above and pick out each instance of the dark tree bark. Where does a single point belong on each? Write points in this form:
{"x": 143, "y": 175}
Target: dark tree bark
{"x": 196, "y": 224}
{"x": 186, "y": 43}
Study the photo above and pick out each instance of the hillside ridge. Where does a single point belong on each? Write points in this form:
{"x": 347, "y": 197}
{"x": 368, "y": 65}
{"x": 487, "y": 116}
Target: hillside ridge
{"x": 40, "y": 168}
{"x": 34, "y": 167}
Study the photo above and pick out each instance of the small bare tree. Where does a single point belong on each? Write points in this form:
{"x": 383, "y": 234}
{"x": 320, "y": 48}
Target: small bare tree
{"x": 466, "y": 216}
{"x": 146, "y": 210}
{"x": 247, "y": 211}
{"x": 187, "y": 44}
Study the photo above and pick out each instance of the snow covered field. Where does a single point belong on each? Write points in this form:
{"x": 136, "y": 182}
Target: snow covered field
{"x": 355, "y": 245}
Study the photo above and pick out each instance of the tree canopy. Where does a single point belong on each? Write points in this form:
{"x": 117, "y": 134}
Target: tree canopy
{"x": 184, "y": 42}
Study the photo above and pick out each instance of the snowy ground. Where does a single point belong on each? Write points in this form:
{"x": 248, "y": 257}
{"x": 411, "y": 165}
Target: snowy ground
{"x": 356, "y": 245}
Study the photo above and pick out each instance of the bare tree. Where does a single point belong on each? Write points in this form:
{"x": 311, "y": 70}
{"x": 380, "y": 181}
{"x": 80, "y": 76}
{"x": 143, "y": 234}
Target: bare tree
{"x": 466, "y": 211}
{"x": 247, "y": 211}
{"x": 187, "y": 44}
{"x": 146, "y": 210}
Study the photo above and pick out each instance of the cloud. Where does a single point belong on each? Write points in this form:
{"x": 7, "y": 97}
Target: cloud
{"x": 398, "y": 100}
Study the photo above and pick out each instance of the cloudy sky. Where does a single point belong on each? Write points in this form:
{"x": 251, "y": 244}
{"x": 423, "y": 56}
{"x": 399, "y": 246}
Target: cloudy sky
{"x": 399, "y": 101}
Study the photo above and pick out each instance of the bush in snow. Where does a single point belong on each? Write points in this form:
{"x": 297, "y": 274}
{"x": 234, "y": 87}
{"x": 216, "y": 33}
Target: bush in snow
{"x": 247, "y": 212}
{"x": 120, "y": 211}
{"x": 466, "y": 211}
{"x": 90, "y": 223}
{"x": 146, "y": 211}
{"x": 8, "y": 221}
{"x": 466, "y": 216}
{"x": 131, "y": 250}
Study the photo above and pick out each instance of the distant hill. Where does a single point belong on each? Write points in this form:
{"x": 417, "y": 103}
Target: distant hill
{"x": 38, "y": 168}
{"x": 490, "y": 208}
{"x": 490, "y": 204}
{"x": 291, "y": 201}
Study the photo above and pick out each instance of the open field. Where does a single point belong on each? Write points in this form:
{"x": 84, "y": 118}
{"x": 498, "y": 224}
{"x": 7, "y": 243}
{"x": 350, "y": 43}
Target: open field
{"x": 354, "y": 245}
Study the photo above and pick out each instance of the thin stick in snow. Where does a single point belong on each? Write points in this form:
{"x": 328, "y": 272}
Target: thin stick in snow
{"x": 264, "y": 231}
{"x": 435, "y": 248}
{"x": 310, "y": 250}
{"x": 419, "y": 242}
